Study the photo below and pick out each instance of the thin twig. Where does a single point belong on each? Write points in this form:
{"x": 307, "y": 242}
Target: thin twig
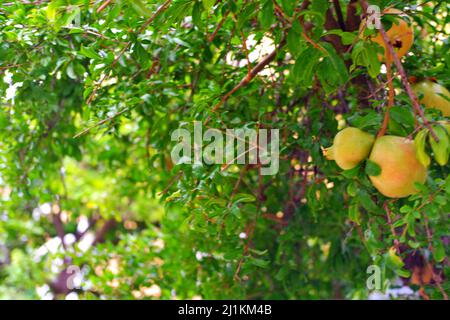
{"x": 285, "y": 19}
{"x": 244, "y": 45}
{"x": 390, "y": 100}
{"x": 253, "y": 72}
{"x": 11, "y": 66}
{"x": 248, "y": 230}
{"x": 171, "y": 182}
{"x": 389, "y": 220}
{"x": 25, "y": 3}
{"x": 314, "y": 44}
{"x": 101, "y": 122}
{"x": 236, "y": 187}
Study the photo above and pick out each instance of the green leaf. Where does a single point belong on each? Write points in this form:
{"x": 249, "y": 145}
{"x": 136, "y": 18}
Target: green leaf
{"x": 244, "y": 197}
{"x": 140, "y": 8}
{"x": 52, "y": 9}
{"x": 142, "y": 56}
{"x": 332, "y": 71}
{"x": 347, "y": 38}
{"x": 354, "y": 214}
{"x": 320, "y": 6}
{"x": 403, "y": 273}
{"x": 372, "y": 169}
{"x": 438, "y": 251}
{"x": 89, "y": 52}
{"x": 351, "y": 173}
{"x": 371, "y": 60}
{"x": 403, "y": 116}
{"x": 178, "y": 10}
{"x": 70, "y": 17}
{"x": 419, "y": 144}
{"x": 247, "y": 14}
{"x": 406, "y": 209}
{"x": 366, "y": 54}
{"x": 413, "y": 244}
{"x": 294, "y": 42}
{"x": 207, "y": 4}
{"x": 400, "y": 222}
{"x": 197, "y": 15}
{"x": 367, "y": 202}
{"x": 267, "y": 14}
{"x": 174, "y": 196}
{"x": 351, "y": 189}
{"x": 258, "y": 252}
{"x": 70, "y": 72}
{"x": 304, "y": 66}
{"x": 371, "y": 119}
{"x": 393, "y": 259}
{"x": 259, "y": 262}
{"x": 288, "y": 6}
{"x": 440, "y": 148}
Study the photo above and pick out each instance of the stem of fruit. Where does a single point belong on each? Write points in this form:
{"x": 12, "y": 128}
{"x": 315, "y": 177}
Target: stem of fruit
{"x": 392, "y": 54}
{"x": 394, "y": 234}
{"x": 390, "y": 100}
{"x": 103, "y": 6}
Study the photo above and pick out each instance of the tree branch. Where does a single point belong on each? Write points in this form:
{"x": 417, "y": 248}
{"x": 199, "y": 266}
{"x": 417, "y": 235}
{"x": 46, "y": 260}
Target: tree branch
{"x": 392, "y": 54}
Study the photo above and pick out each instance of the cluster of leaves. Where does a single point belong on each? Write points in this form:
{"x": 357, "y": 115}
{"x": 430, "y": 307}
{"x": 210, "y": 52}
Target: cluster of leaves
{"x": 91, "y": 92}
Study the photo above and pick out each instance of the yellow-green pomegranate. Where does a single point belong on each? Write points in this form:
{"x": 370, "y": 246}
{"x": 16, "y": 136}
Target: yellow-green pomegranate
{"x": 433, "y": 96}
{"x": 350, "y": 147}
{"x": 400, "y": 168}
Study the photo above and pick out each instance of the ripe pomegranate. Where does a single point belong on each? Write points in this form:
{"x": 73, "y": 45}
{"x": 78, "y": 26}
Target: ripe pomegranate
{"x": 400, "y": 168}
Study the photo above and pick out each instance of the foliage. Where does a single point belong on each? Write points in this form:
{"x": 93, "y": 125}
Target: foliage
{"x": 91, "y": 92}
